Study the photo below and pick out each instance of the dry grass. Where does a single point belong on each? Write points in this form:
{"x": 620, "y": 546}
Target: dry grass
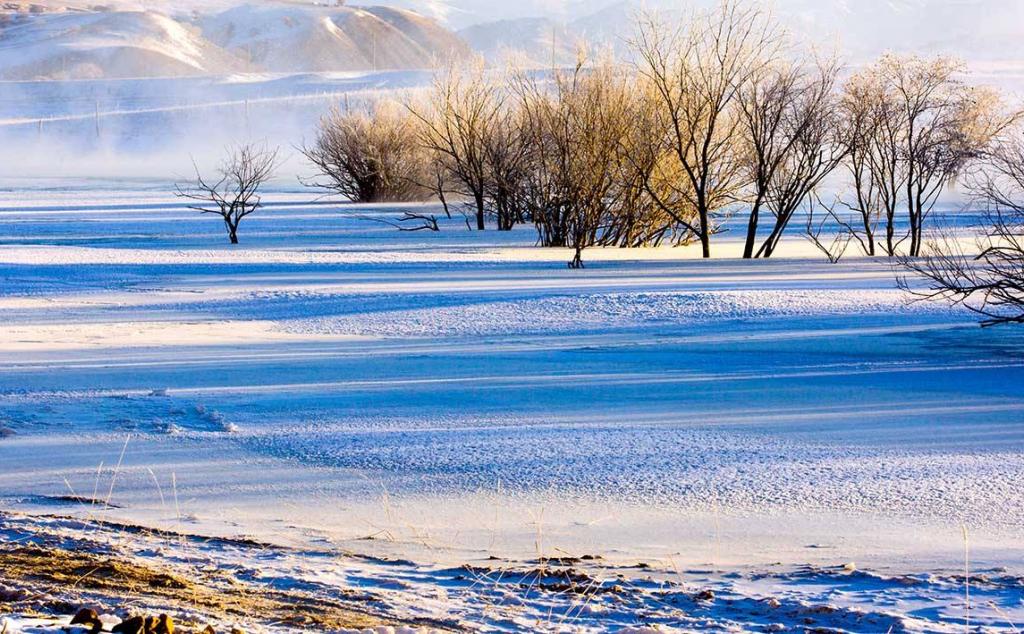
{"x": 40, "y": 572}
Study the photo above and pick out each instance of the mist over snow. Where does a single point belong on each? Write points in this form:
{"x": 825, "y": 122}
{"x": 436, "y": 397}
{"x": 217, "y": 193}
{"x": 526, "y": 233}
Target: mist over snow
{"x": 143, "y": 87}
{"x": 982, "y": 32}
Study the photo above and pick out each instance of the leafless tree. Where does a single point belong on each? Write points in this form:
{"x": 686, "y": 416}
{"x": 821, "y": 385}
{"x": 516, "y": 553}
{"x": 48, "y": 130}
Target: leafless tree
{"x": 644, "y": 166}
{"x": 507, "y": 160}
{"x": 458, "y": 120}
{"x": 861, "y": 117}
{"x": 235, "y": 193}
{"x": 574, "y": 126}
{"x": 833, "y": 245}
{"x": 990, "y": 283}
{"x": 788, "y": 121}
{"x": 697, "y": 73}
{"x": 765, "y": 104}
{"x": 369, "y": 154}
{"x": 411, "y": 221}
{"x": 912, "y": 128}
{"x": 946, "y": 125}
{"x": 809, "y": 125}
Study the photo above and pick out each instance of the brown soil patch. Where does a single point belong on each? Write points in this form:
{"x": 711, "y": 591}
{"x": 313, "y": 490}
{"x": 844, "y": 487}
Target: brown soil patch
{"x": 31, "y": 573}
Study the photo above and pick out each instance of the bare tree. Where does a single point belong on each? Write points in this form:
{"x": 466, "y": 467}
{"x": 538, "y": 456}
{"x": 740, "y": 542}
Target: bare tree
{"x": 860, "y": 119}
{"x": 458, "y": 121}
{"x": 764, "y": 106}
{"x": 235, "y": 194}
{"x": 410, "y": 221}
{"x": 990, "y": 283}
{"x": 646, "y": 175}
{"x": 812, "y": 151}
{"x": 369, "y": 154}
{"x": 912, "y": 128}
{"x": 946, "y": 125}
{"x": 834, "y": 247}
{"x": 507, "y": 160}
{"x": 574, "y": 127}
{"x": 697, "y": 73}
{"x": 788, "y": 120}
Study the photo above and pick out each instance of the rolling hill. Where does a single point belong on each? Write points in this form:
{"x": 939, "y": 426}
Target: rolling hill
{"x": 66, "y": 42}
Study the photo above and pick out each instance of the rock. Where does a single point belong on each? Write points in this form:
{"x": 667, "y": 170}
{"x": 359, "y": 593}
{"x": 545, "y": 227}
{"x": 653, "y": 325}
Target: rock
{"x": 704, "y": 595}
{"x": 164, "y": 625}
{"x": 208, "y": 630}
{"x": 89, "y": 618}
{"x": 237, "y": 630}
{"x": 133, "y": 625}
{"x": 85, "y": 616}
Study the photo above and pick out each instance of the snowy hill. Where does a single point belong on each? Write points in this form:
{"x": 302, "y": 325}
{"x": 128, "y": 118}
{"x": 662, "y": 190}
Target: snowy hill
{"x": 285, "y": 38}
{"x": 63, "y": 42}
{"x": 541, "y": 40}
{"x": 65, "y": 39}
{"x": 85, "y": 45}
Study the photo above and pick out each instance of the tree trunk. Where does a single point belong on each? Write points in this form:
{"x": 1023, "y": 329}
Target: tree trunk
{"x": 870, "y": 235}
{"x": 232, "y": 232}
{"x": 705, "y": 234}
{"x": 890, "y": 233}
{"x": 577, "y": 260}
{"x": 479, "y": 199}
{"x": 915, "y": 230}
{"x": 748, "y": 248}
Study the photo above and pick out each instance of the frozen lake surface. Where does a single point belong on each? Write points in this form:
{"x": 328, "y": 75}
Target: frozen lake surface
{"x": 765, "y": 429}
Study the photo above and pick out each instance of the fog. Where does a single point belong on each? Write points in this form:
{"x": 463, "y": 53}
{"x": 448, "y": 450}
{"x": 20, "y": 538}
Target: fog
{"x": 155, "y": 128}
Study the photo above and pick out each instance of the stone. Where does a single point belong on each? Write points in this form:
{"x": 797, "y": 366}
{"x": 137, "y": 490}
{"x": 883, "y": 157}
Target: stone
{"x": 164, "y": 625}
{"x": 85, "y": 616}
{"x": 133, "y": 625}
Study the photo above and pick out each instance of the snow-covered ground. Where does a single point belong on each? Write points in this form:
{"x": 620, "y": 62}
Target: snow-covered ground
{"x": 455, "y": 423}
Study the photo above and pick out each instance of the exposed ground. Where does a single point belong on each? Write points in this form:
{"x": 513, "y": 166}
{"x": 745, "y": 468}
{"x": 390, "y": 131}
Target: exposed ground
{"x": 54, "y": 580}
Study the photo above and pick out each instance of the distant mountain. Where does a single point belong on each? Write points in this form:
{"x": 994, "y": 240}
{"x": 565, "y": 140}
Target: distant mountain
{"x": 979, "y": 31}
{"x": 459, "y": 14}
{"x": 87, "y": 45}
{"x": 65, "y": 42}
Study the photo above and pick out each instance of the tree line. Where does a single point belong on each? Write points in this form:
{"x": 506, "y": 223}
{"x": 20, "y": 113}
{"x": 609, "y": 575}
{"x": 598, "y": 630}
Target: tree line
{"x": 716, "y": 117}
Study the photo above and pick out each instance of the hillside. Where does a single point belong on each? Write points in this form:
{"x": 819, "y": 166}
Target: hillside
{"x": 88, "y": 45}
{"x": 282, "y": 38}
{"x": 65, "y": 42}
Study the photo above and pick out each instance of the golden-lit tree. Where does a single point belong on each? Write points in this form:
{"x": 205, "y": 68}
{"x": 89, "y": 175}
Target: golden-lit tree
{"x": 575, "y": 124}
{"x": 697, "y": 73}
{"x": 912, "y": 128}
{"x": 458, "y": 123}
{"x": 369, "y": 154}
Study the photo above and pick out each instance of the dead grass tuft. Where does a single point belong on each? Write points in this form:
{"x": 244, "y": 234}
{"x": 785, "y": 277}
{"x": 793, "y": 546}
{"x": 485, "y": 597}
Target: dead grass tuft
{"x": 45, "y": 572}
